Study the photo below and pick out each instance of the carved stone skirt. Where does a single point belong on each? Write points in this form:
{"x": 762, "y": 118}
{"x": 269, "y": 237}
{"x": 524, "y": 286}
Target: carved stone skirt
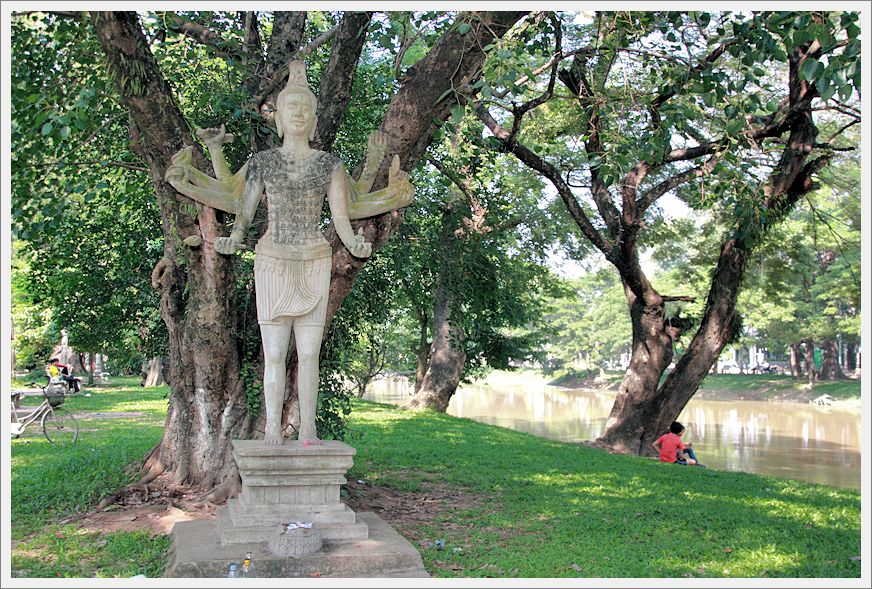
{"x": 291, "y": 285}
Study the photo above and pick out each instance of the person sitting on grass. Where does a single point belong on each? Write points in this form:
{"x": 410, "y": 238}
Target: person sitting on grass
{"x": 672, "y": 449}
{"x": 55, "y": 368}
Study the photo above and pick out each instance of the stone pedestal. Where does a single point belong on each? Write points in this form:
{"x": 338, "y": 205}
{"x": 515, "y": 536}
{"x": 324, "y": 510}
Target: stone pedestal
{"x": 287, "y": 483}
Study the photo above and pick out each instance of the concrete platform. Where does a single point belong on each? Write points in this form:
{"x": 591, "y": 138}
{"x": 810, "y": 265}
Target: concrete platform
{"x": 197, "y": 552}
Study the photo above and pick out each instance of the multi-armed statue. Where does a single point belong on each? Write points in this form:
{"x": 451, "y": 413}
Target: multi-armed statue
{"x": 292, "y": 259}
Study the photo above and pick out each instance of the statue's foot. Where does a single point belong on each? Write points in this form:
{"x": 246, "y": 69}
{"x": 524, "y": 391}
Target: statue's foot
{"x": 273, "y": 439}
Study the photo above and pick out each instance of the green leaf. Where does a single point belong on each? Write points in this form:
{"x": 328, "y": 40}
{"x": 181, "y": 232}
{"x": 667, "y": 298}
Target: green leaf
{"x": 808, "y": 69}
{"x": 463, "y": 28}
{"x": 65, "y": 132}
{"x": 457, "y": 112}
{"x": 845, "y": 91}
{"x": 827, "y": 92}
{"x": 47, "y": 128}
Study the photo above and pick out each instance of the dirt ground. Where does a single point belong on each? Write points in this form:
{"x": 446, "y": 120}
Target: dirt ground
{"x": 158, "y": 511}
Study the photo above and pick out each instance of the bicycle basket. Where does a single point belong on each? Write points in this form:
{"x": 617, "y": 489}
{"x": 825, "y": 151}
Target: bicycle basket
{"x": 54, "y": 394}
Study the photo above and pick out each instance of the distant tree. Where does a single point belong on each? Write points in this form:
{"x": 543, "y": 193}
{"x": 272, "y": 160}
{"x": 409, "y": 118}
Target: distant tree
{"x": 589, "y": 322}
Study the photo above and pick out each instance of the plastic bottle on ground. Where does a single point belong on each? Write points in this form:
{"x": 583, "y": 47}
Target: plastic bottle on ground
{"x": 232, "y": 573}
{"x": 247, "y": 566}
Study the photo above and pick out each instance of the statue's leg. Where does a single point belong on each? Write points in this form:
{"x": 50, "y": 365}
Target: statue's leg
{"x": 275, "y": 350}
{"x": 308, "y": 338}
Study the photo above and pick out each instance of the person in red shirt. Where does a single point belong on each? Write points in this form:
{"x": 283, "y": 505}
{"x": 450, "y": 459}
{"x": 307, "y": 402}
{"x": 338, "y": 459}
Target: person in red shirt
{"x": 672, "y": 449}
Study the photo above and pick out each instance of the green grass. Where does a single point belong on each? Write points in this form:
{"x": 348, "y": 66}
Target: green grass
{"x": 50, "y": 482}
{"x": 775, "y": 385}
{"x": 528, "y": 507}
{"x": 767, "y": 386}
{"x": 551, "y": 509}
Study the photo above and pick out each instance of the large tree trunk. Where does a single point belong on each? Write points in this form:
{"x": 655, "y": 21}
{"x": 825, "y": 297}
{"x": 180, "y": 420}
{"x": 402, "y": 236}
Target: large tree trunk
{"x": 830, "y": 368}
{"x": 643, "y": 414}
{"x": 447, "y": 358}
{"x": 808, "y": 356}
{"x": 850, "y": 357}
{"x": 152, "y": 372}
{"x": 197, "y": 304}
{"x": 422, "y": 352}
{"x": 651, "y": 354}
{"x": 206, "y": 350}
{"x": 795, "y": 360}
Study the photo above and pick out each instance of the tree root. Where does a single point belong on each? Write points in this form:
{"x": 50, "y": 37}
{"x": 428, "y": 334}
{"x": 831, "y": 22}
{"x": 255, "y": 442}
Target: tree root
{"x": 225, "y": 490}
{"x": 155, "y": 469}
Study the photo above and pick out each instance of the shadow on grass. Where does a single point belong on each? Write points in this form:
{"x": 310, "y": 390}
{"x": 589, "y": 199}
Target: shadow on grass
{"x": 575, "y": 511}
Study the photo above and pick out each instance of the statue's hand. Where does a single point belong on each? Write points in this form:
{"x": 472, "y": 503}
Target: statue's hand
{"x": 399, "y": 180}
{"x": 360, "y": 248}
{"x": 228, "y": 245}
{"x": 176, "y": 174}
{"x": 216, "y": 136}
{"x": 377, "y": 144}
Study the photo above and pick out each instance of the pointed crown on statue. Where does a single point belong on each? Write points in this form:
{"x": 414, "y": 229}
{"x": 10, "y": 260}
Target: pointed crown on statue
{"x": 297, "y": 84}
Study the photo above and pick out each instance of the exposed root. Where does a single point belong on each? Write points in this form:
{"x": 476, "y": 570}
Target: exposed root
{"x": 155, "y": 469}
{"x": 228, "y": 488}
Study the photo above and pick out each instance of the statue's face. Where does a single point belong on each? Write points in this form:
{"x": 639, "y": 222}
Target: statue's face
{"x": 298, "y": 115}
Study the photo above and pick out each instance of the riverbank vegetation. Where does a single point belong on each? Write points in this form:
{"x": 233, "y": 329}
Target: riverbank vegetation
{"x": 743, "y": 387}
{"x": 503, "y": 503}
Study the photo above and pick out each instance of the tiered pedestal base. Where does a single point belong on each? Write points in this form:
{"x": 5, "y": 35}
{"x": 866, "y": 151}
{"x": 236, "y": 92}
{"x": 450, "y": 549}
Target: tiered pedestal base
{"x": 289, "y": 483}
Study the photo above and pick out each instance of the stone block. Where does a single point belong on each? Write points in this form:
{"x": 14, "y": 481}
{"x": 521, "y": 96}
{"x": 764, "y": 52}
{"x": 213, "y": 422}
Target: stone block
{"x": 196, "y": 552}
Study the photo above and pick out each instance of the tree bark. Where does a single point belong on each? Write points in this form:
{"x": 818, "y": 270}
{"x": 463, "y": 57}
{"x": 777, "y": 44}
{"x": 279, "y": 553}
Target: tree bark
{"x": 422, "y": 352}
{"x": 153, "y": 372}
{"x": 830, "y": 368}
{"x": 850, "y": 357}
{"x": 795, "y": 360}
{"x": 808, "y": 356}
{"x": 447, "y": 358}
{"x": 197, "y": 304}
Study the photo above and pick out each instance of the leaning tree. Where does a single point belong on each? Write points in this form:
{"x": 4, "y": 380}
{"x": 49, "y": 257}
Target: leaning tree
{"x": 737, "y": 111}
{"x": 205, "y": 298}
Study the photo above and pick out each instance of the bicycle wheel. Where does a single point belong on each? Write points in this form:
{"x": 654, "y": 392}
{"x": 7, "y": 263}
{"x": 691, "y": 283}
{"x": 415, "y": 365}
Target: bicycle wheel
{"x": 59, "y": 426}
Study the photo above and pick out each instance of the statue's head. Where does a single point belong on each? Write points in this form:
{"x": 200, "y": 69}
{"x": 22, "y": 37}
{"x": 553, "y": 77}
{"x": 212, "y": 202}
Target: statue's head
{"x": 296, "y": 103}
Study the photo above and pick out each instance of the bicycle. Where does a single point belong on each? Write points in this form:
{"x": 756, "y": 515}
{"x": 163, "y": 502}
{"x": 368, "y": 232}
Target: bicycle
{"x": 58, "y": 425}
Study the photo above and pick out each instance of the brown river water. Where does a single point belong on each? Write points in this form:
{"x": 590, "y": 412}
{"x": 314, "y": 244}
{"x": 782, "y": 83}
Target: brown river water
{"x": 791, "y": 440}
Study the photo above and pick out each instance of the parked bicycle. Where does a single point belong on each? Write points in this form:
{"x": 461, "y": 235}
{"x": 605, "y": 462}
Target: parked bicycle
{"x": 57, "y": 424}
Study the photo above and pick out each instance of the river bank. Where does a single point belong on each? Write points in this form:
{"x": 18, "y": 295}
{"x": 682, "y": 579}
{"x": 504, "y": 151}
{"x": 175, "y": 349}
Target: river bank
{"x": 734, "y": 387}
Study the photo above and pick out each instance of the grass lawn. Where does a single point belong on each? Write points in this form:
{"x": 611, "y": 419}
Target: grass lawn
{"x": 552, "y": 509}
{"x": 117, "y": 425}
{"x": 775, "y": 385}
{"x": 532, "y": 507}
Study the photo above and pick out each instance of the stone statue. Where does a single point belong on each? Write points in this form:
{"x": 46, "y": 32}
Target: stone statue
{"x": 292, "y": 259}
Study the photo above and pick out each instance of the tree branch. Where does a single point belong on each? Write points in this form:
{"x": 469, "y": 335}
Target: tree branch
{"x": 203, "y": 35}
{"x": 125, "y": 165}
{"x": 535, "y": 162}
{"x": 650, "y": 196}
{"x": 337, "y": 79}
{"x": 274, "y": 81}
